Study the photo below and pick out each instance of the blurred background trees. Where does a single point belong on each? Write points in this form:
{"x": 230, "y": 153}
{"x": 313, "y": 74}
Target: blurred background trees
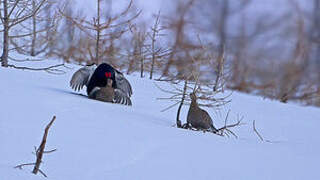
{"x": 269, "y": 48}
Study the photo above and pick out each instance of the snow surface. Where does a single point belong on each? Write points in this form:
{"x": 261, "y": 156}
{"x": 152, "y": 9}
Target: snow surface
{"x": 99, "y": 141}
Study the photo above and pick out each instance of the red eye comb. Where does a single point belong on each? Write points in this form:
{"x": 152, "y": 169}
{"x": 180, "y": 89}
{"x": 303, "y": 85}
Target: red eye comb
{"x": 108, "y": 74}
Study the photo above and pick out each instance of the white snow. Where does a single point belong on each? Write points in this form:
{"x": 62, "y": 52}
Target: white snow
{"x": 99, "y": 141}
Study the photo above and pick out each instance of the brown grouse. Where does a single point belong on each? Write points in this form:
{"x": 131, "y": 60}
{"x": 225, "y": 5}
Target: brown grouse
{"x": 199, "y": 118}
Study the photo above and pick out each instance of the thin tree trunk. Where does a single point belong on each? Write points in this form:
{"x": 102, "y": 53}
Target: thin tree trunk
{"x": 97, "y": 47}
{"x": 155, "y": 30}
{"x": 179, "y": 36}
{"x": 50, "y": 32}
{"x": 131, "y": 63}
{"x": 220, "y": 67}
{"x": 222, "y": 42}
{"x": 98, "y": 33}
{"x": 142, "y": 66}
{"x": 178, "y": 42}
{"x": 316, "y": 31}
{"x": 133, "y": 57}
{"x": 153, "y": 54}
{"x": 5, "y": 52}
{"x": 179, "y": 124}
{"x": 141, "y": 55}
{"x": 34, "y": 30}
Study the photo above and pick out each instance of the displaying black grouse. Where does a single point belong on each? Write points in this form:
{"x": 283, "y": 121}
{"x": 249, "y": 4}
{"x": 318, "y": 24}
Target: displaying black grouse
{"x": 95, "y": 78}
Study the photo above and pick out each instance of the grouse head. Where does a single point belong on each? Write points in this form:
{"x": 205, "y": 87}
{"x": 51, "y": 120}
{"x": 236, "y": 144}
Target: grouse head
{"x": 109, "y": 82}
{"x": 103, "y": 73}
{"x": 193, "y": 96}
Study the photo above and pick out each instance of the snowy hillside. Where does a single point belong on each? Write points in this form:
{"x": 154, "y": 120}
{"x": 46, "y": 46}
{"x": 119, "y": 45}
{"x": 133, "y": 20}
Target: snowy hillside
{"x": 99, "y": 141}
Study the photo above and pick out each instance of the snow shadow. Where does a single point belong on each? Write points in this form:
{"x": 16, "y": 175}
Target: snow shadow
{"x": 63, "y": 91}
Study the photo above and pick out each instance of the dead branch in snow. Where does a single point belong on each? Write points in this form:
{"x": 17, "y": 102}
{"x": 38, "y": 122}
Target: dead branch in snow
{"x": 41, "y": 148}
{"x": 50, "y": 69}
{"x": 40, "y": 151}
{"x": 225, "y": 130}
{"x": 26, "y": 60}
{"x": 260, "y": 136}
{"x": 255, "y": 130}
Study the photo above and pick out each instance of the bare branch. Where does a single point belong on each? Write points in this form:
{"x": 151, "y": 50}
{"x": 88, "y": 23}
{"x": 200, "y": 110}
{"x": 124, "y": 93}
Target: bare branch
{"x": 51, "y": 69}
{"x": 24, "y": 18}
{"x": 51, "y": 151}
{"x": 14, "y": 6}
{"x": 41, "y": 148}
{"x": 170, "y": 107}
{"x": 42, "y": 173}
{"x": 255, "y": 130}
{"x": 40, "y": 151}
{"x": 20, "y": 166}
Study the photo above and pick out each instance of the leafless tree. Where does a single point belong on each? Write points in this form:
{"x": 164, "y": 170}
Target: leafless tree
{"x": 139, "y": 47}
{"x": 36, "y": 39}
{"x": 100, "y": 30}
{"x": 12, "y": 14}
{"x": 178, "y": 27}
{"x": 156, "y": 50}
{"x": 222, "y": 42}
{"x": 205, "y": 95}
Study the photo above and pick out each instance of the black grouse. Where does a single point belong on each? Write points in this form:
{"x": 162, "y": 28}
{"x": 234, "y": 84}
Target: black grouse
{"x": 95, "y": 78}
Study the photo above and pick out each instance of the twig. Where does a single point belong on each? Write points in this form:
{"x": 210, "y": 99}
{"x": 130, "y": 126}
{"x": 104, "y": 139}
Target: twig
{"x": 225, "y": 121}
{"x": 50, "y": 69}
{"x": 41, "y": 148}
{"x": 173, "y": 105}
{"x": 51, "y": 151}
{"x": 40, "y": 151}
{"x": 230, "y": 126}
{"x": 255, "y": 130}
{"x": 231, "y": 132}
{"x": 226, "y": 128}
{"x": 26, "y": 60}
{"x": 26, "y": 164}
{"x": 42, "y": 173}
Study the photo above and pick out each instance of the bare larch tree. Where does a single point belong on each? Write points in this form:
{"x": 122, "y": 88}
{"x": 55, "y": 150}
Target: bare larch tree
{"x": 101, "y": 30}
{"x": 12, "y": 14}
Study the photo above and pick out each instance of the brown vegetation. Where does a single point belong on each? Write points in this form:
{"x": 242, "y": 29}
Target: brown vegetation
{"x": 273, "y": 55}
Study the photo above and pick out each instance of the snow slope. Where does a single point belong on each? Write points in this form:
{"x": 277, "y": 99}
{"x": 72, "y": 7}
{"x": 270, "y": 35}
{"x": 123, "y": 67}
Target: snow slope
{"x": 98, "y": 141}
